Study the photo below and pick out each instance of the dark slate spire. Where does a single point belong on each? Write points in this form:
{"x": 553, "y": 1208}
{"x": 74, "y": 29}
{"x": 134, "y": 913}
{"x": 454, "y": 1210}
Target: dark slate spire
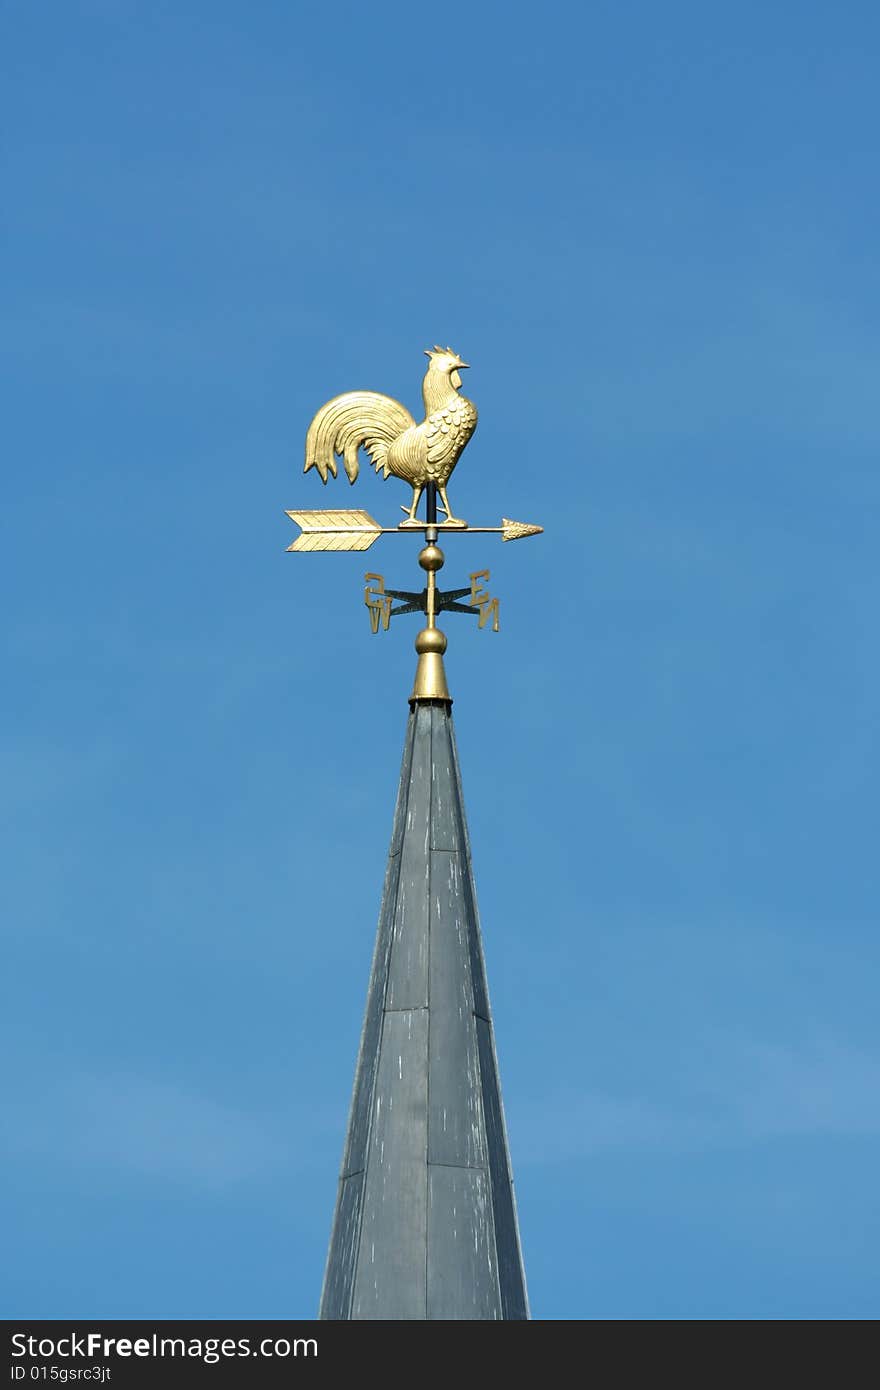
{"x": 425, "y": 1223}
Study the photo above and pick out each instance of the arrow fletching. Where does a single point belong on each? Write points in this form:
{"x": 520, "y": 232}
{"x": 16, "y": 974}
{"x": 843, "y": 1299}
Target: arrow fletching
{"x": 353, "y": 530}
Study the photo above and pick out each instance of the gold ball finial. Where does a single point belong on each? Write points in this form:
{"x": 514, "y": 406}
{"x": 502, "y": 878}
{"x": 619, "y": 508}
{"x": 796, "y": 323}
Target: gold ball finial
{"x": 431, "y": 639}
{"x": 431, "y": 558}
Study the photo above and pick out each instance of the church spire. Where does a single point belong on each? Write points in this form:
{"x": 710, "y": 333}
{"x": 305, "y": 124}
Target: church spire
{"x": 425, "y": 1223}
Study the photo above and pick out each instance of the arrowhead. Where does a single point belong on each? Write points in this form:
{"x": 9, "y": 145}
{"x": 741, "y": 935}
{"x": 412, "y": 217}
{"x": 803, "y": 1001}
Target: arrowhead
{"x": 516, "y": 530}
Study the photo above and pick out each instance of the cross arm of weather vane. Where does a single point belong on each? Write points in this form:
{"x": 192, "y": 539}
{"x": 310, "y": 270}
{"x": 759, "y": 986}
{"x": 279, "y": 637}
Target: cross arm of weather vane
{"x": 444, "y": 600}
{"x": 430, "y": 600}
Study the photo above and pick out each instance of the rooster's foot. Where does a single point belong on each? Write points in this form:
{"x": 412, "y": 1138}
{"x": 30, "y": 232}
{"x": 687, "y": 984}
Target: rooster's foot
{"x": 453, "y": 523}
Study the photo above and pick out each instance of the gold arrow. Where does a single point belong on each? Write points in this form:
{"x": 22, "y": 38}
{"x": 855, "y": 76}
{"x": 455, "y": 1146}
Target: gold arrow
{"x": 357, "y": 530}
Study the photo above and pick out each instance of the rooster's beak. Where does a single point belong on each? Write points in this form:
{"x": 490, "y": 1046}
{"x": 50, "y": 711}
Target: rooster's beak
{"x": 463, "y": 364}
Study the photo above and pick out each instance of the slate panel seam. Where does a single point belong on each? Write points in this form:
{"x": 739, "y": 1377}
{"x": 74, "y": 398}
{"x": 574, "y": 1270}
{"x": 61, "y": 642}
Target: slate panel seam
{"x": 482, "y": 1008}
{"x": 428, "y": 995}
{"x": 479, "y": 984}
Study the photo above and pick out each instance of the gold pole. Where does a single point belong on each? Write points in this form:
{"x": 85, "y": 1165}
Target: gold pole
{"x": 430, "y": 681}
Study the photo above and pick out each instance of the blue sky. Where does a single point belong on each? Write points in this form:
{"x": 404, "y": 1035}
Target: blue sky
{"x": 652, "y": 230}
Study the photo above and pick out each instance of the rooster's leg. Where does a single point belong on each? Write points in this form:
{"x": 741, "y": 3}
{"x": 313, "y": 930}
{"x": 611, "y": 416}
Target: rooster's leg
{"x": 444, "y": 501}
{"x": 411, "y": 518}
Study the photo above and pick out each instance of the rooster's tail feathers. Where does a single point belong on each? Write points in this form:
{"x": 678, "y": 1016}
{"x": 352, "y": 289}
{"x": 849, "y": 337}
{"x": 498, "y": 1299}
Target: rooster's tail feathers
{"x": 345, "y": 424}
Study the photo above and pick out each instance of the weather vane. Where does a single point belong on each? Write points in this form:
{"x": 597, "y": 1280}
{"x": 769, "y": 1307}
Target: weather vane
{"x": 424, "y": 456}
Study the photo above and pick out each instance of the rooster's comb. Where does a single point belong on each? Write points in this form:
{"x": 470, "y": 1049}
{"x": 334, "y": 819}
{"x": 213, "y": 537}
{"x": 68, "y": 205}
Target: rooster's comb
{"x": 437, "y": 351}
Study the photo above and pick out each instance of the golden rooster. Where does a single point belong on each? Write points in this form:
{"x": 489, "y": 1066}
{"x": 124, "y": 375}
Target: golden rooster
{"x": 419, "y": 454}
